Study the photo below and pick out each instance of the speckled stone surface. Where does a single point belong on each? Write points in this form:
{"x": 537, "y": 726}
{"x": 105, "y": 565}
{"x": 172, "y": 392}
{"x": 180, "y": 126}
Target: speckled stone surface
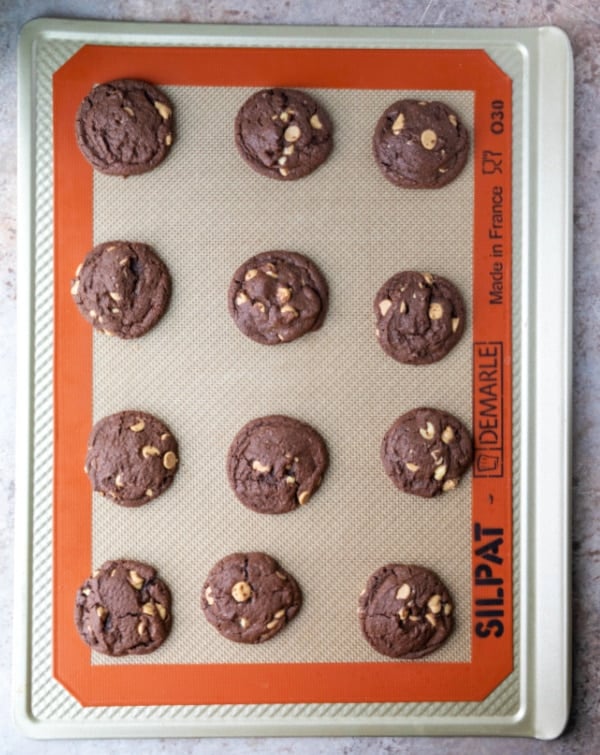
{"x": 581, "y": 20}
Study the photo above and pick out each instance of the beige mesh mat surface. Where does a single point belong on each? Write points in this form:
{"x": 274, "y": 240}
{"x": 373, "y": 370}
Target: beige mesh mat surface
{"x": 205, "y": 211}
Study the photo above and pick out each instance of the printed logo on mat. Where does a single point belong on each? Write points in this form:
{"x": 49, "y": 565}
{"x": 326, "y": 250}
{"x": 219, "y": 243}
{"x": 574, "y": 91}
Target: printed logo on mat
{"x": 488, "y": 425}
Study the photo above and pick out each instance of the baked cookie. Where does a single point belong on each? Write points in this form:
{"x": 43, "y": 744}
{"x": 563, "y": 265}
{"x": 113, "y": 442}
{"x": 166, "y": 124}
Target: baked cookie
{"x": 124, "y": 127}
{"x": 276, "y": 297}
{"x": 122, "y": 288}
{"x": 420, "y": 145}
{"x": 248, "y": 597}
{"x": 131, "y": 457}
{"x": 283, "y": 133}
{"x": 420, "y": 317}
{"x": 426, "y": 452}
{"x": 405, "y": 611}
{"x": 123, "y": 609}
{"x": 276, "y": 463}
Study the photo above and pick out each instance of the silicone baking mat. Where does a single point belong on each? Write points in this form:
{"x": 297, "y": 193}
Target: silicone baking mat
{"x": 205, "y": 212}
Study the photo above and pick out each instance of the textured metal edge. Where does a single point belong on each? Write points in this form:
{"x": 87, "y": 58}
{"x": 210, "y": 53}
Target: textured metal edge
{"x": 324, "y": 719}
{"x": 22, "y": 656}
{"x": 550, "y": 461}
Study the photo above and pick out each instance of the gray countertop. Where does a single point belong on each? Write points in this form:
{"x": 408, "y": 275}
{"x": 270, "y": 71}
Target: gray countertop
{"x": 581, "y": 20}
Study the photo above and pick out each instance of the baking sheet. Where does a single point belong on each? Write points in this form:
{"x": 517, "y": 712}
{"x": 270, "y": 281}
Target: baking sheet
{"x": 469, "y": 718}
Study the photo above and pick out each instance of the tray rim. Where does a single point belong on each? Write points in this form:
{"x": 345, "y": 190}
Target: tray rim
{"x": 546, "y": 462}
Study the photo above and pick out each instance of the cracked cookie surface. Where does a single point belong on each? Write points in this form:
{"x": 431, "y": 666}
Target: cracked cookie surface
{"x": 125, "y": 127}
{"x": 248, "y": 597}
{"x": 277, "y": 296}
{"x": 123, "y": 609}
{"x": 132, "y": 457}
{"x": 276, "y": 463}
{"x": 420, "y": 145}
{"x": 122, "y": 288}
{"x": 420, "y": 317}
{"x": 405, "y": 611}
{"x": 283, "y": 133}
{"x": 426, "y": 451}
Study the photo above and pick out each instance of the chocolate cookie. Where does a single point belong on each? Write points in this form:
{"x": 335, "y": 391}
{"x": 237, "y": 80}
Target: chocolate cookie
{"x": 426, "y": 451}
{"x": 123, "y": 609}
{"x": 405, "y": 611}
{"x": 420, "y": 317}
{"x": 248, "y": 597}
{"x": 283, "y": 133}
{"x": 276, "y": 463}
{"x": 122, "y": 288}
{"x": 124, "y": 127}
{"x": 420, "y": 145}
{"x": 131, "y": 457}
{"x": 276, "y": 297}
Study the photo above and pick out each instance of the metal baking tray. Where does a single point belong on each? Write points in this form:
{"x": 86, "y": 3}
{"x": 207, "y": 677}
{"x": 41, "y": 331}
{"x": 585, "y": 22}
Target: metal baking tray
{"x": 515, "y": 677}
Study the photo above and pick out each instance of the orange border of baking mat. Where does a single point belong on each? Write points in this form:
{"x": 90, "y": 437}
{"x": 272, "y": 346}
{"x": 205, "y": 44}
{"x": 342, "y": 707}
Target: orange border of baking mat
{"x": 491, "y": 644}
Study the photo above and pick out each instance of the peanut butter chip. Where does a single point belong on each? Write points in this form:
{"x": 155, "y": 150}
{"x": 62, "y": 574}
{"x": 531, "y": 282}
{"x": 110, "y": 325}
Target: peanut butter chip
{"x": 428, "y": 138}
{"x": 303, "y": 497}
{"x": 101, "y": 611}
{"x": 148, "y": 451}
{"x": 135, "y": 580}
{"x": 287, "y": 309}
{"x": 148, "y": 609}
{"x": 436, "y": 311}
{"x": 244, "y": 623}
{"x": 315, "y": 122}
{"x": 208, "y": 596}
{"x": 257, "y": 466}
{"x": 403, "y": 592}
{"x": 241, "y": 592}
{"x": 435, "y": 604}
{"x": 412, "y": 467}
{"x": 75, "y": 288}
{"x": 292, "y": 133}
{"x": 398, "y": 124}
{"x": 138, "y": 427}
{"x": 284, "y": 294}
{"x": 440, "y": 472}
{"x": 448, "y": 434}
{"x": 272, "y": 624}
{"x": 453, "y": 120}
{"x": 164, "y": 110}
{"x": 427, "y": 432}
{"x": 455, "y": 324}
{"x": 250, "y": 274}
{"x": 384, "y": 306}
{"x": 170, "y": 460}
